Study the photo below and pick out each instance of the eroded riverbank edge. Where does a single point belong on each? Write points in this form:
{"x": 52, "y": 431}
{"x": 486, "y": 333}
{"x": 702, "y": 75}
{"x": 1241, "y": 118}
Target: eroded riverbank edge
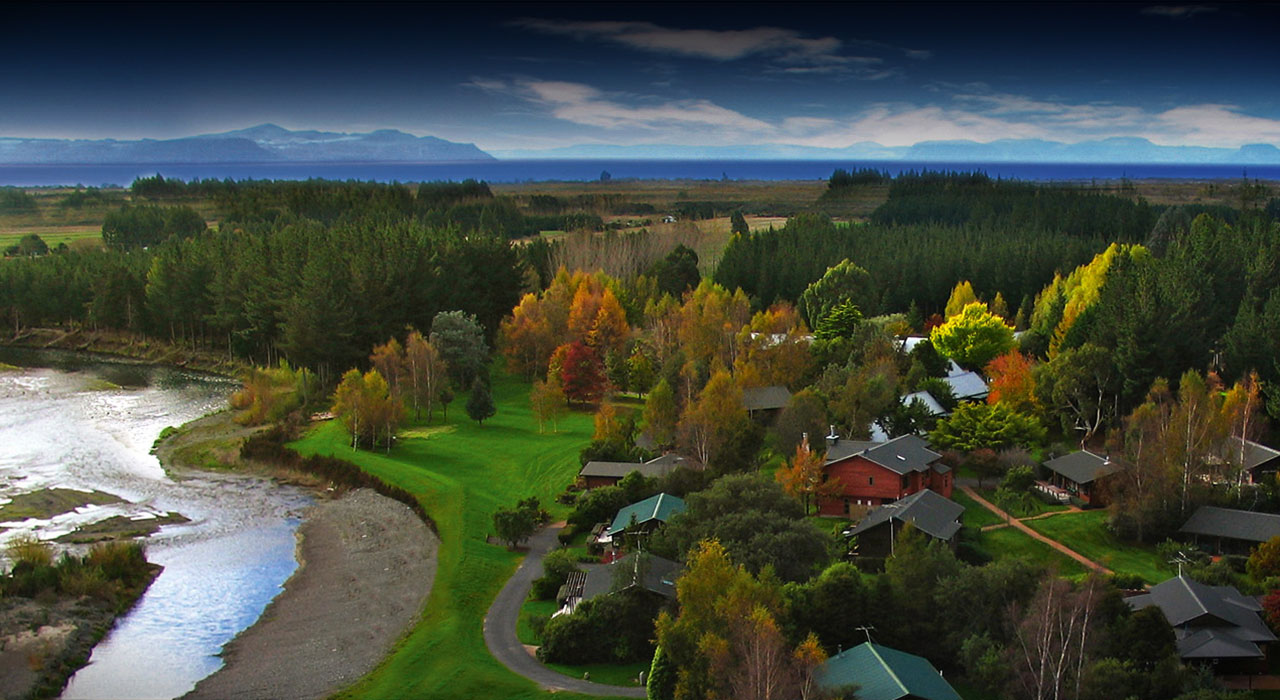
{"x": 366, "y": 565}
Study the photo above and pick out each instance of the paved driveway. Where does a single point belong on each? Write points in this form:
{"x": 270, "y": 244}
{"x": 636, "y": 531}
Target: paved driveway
{"x": 500, "y": 628}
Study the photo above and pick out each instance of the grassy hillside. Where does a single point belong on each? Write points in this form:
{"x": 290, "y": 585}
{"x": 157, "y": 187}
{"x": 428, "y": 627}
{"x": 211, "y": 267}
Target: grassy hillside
{"x": 462, "y": 473}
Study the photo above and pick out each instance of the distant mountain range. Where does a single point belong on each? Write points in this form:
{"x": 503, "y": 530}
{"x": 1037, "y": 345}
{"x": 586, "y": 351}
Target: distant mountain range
{"x": 266, "y": 143}
{"x": 1112, "y": 150}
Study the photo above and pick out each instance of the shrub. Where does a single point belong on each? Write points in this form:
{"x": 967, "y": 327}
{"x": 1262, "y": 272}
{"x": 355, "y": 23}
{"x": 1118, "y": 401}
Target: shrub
{"x": 556, "y": 567}
{"x": 120, "y": 561}
{"x": 88, "y": 581}
{"x": 28, "y": 549}
{"x": 1018, "y": 479}
{"x": 614, "y": 628}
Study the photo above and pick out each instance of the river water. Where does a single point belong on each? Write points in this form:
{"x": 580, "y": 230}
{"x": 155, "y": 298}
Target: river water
{"x": 73, "y": 422}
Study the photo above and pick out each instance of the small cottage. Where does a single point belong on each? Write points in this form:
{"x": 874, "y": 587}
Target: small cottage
{"x": 1083, "y": 474}
{"x": 932, "y": 514}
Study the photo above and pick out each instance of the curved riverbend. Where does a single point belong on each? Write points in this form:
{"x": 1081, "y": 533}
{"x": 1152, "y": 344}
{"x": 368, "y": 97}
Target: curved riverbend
{"x": 89, "y": 424}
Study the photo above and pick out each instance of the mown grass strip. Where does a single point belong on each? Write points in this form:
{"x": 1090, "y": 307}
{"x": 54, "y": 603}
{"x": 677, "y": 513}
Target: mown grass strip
{"x": 1086, "y": 532}
{"x": 461, "y": 477}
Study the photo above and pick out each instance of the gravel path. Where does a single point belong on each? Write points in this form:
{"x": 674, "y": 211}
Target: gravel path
{"x": 367, "y": 564}
{"x": 500, "y": 629}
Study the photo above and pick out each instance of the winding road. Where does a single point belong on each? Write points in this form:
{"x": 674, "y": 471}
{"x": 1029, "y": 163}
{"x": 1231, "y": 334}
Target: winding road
{"x": 500, "y": 629}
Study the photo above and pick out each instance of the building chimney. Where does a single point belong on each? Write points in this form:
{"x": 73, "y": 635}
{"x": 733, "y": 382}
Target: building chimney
{"x": 833, "y": 438}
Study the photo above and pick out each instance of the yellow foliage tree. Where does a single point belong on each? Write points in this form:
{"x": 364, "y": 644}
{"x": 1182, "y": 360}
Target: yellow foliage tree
{"x": 961, "y": 296}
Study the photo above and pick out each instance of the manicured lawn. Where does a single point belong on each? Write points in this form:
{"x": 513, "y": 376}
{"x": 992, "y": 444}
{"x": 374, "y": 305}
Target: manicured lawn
{"x": 1008, "y": 542}
{"x": 975, "y": 514}
{"x": 1086, "y": 532}
{"x": 461, "y": 476}
{"x": 1038, "y": 505}
{"x": 532, "y": 608}
{"x": 605, "y": 673}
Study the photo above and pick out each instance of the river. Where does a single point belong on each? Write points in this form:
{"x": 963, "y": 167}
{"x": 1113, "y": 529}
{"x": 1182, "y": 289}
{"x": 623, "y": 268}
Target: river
{"x": 72, "y": 421}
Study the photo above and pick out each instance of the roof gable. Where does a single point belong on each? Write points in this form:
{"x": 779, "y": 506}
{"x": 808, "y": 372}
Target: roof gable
{"x": 967, "y": 385}
{"x": 649, "y": 572}
{"x": 765, "y": 398}
{"x": 931, "y": 404}
{"x": 905, "y": 454}
{"x": 1211, "y": 521}
{"x": 882, "y": 673}
{"x": 1255, "y": 453}
{"x": 1083, "y": 466}
{"x": 934, "y": 514}
{"x": 1191, "y": 606}
{"x": 660, "y": 507}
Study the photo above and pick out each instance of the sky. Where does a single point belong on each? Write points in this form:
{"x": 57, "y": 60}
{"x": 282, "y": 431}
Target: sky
{"x": 542, "y": 75}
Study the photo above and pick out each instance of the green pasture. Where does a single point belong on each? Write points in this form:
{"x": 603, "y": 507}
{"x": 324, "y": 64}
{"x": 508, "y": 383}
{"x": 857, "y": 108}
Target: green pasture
{"x": 461, "y": 476}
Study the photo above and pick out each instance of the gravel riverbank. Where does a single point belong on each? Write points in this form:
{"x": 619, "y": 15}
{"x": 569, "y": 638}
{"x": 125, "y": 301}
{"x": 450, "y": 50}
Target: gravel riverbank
{"x": 366, "y": 565}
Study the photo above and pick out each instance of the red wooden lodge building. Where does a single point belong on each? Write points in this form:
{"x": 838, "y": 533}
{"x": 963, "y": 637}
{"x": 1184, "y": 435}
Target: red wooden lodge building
{"x": 873, "y": 474}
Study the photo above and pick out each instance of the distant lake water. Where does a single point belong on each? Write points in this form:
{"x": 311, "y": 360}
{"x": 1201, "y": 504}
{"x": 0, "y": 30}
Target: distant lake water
{"x": 588, "y": 170}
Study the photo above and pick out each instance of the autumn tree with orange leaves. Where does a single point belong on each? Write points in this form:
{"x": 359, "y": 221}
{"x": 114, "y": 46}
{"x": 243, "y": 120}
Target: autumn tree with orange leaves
{"x": 802, "y": 477}
{"x": 1012, "y": 383}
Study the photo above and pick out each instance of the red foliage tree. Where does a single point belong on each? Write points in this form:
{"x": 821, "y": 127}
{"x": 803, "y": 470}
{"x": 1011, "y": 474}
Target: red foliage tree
{"x": 1271, "y": 609}
{"x": 582, "y": 374}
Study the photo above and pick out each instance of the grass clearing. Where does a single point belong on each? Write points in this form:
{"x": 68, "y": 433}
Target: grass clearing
{"x": 975, "y": 514}
{"x": 1086, "y": 532}
{"x": 461, "y": 478}
{"x": 624, "y": 675}
{"x": 1008, "y": 542}
{"x": 533, "y": 608}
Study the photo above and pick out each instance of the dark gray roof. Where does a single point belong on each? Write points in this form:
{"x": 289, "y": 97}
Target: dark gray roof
{"x": 1211, "y": 521}
{"x": 1208, "y": 619}
{"x": 765, "y": 398}
{"x": 656, "y": 574}
{"x": 1255, "y": 454}
{"x": 848, "y": 448}
{"x": 1216, "y": 644}
{"x": 935, "y": 515}
{"x": 1083, "y": 466}
{"x": 621, "y": 469}
{"x": 901, "y": 455}
{"x": 908, "y": 453}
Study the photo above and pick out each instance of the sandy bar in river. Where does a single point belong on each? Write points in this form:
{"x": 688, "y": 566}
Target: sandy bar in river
{"x": 366, "y": 564}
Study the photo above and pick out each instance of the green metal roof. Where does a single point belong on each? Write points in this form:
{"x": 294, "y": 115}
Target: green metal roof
{"x": 660, "y": 507}
{"x": 882, "y": 673}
